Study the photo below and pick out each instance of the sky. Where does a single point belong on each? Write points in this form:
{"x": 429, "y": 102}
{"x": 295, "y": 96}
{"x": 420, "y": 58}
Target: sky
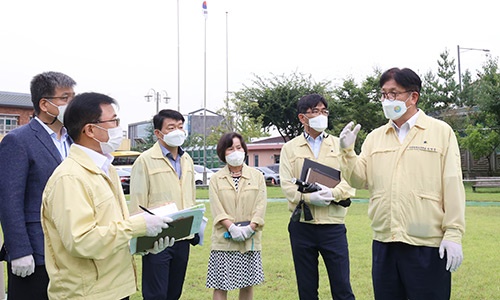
{"x": 125, "y": 48}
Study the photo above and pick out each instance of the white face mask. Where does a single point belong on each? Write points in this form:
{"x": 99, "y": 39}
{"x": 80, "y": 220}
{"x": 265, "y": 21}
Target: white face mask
{"x": 319, "y": 123}
{"x": 393, "y": 109}
{"x": 175, "y": 138}
{"x": 115, "y": 137}
{"x": 235, "y": 158}
{"x": 62, "y": 109}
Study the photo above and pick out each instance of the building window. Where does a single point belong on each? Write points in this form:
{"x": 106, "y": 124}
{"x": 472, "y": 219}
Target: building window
{"x": 276, "y": 158}
{"x": 256, "y": 160}
{"x": 7, "y": 123}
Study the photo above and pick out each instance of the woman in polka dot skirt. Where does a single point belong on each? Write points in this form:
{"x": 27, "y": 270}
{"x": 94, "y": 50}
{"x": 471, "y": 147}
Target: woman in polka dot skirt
{"x": 238, "y": 199}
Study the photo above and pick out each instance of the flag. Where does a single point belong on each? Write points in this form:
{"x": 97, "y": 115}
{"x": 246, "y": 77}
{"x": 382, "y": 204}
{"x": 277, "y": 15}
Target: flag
{"x": 205, "y": 11}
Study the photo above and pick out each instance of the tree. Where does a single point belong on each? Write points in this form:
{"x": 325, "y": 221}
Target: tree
{"x": 274, "y": 100}
{"x": 148, "y": 141}
{"x": 488, "y": 91}
{"x": 194, "y": 140}
{"x": 466, "y": 96}
{"x": 236, "y": 120}
{"x": 440, "y": 93}
{"x": 481, "y": 141}
{"x": 448, "y": 87}
{"x": 360, "y": 104}
{"x": 428, "y": 94}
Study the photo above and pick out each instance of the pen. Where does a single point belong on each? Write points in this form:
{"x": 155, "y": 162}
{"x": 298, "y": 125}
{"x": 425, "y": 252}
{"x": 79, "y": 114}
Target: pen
{"x": 151, "y": 213}
{"x": 146, "y": 210}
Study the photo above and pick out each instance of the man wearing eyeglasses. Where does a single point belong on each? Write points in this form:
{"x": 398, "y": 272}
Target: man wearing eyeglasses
{"x": 85, "y": 217}
{"x": 412, "y": 169}
{"x": 165, "y": 173}
{"x": 322, "y": 231}
{"x": 28, "y": 156}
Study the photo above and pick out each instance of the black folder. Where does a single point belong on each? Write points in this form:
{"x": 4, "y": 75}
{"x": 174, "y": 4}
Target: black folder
{"x": 178, "y": 229}
{"x": 315, "y": 172}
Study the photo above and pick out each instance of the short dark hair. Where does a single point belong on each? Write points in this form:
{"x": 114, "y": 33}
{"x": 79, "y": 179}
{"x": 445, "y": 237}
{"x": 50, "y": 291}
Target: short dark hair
{"x": 309, "y": 102}
{"x": 226, "y": 141}
{"x": 166, "y": 114}
{"x": 45, "y": 84}
{"x": 404, "y": 77}
{"x": 84, "y": 109}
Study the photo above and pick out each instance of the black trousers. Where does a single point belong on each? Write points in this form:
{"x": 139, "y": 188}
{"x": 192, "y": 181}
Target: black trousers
{"x": 329, "y": 240}
{"x": 28, "y": 288}
{"x": 163, "y": 273}
{"x": 402, "y": 271}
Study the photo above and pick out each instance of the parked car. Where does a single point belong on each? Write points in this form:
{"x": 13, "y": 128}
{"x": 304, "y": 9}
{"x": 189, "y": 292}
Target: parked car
{"x": 125, "y": 157}
{"x": 198, "y": 174}
{"x": 125, "y": 180}
{"x": 275, "y": 168}
{"x": 124, "y": 168}
{"x": 123, "y": 161}
{"x": 215, "y": 169}
{"x": 272, "y": 178}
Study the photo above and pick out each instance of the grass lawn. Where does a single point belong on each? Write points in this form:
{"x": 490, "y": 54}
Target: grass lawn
{"x": 482, "y": 194}
{"x": 477, "y": 278}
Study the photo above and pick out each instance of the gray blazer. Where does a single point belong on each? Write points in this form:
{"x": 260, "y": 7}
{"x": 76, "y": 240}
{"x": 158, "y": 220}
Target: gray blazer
{"x": 28, "y": 157}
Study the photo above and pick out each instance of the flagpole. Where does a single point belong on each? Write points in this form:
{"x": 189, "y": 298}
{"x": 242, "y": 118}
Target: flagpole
{"x": 205, "y": 101}
{"x": 178, "y": 63}
{"x": 227, "y": 63}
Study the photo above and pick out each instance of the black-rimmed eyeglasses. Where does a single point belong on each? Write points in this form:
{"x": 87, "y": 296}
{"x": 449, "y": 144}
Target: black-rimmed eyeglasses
{"x": 316, "y": 112}
{"x": 392, "y": 95}
{"x": 62, "y": 98}
{"x": 117, "y": 121}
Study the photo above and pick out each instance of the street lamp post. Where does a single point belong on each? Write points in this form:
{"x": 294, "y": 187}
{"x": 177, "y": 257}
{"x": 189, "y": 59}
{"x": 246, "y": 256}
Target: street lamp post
{"x": 467, "y": 153}
{"x": 158, "y": 97}
{"x": 458, "y": 61}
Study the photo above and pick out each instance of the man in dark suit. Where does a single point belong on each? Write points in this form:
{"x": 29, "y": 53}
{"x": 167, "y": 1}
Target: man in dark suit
{"x": 28, "y": 156}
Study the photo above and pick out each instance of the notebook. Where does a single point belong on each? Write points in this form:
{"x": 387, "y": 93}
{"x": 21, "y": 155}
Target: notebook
{"x": 313, "y": 172}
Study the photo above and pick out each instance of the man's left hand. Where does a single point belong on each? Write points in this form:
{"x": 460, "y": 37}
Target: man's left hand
{"x": 161, "y": 244}
{"x": 322, "y": 197}
{"x": 454, "y": 254}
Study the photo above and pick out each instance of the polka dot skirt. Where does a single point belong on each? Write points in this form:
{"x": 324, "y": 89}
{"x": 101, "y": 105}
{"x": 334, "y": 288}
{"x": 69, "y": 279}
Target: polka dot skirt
{"x": 230, "y": 270}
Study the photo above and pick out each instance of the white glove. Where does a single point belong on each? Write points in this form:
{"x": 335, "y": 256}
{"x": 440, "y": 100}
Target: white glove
{"x": 161, "y": 244}
{"x": 155, "y": 224}
{"x": 322, "y": 197}
{"x": 454, "y": 254}
{"x": 247, "y": 231}
{"x": 348, "y": 135}
{"x": 236, "y": 233}
{"x": 23, "y": 266}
